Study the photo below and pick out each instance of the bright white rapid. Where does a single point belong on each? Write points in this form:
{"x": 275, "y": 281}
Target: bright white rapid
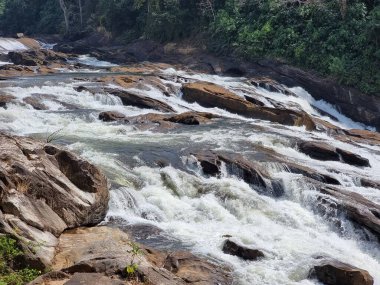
{"x": 9, "y": 44}
{"x": 201, "y": 211}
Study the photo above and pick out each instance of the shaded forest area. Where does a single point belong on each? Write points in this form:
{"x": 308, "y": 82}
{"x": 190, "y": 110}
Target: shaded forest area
{"x": 336, "y": 38}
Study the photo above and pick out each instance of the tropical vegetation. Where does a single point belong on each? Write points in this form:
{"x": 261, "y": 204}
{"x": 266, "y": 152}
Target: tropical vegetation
{"x": 337, "y": 38}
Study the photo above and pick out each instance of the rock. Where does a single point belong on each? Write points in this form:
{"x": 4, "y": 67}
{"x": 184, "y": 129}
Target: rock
{"x": 105, "y": 251}
{"x": 51, "y": 278}
{"x": 35, "y": 103}
{"x": 45, "y": 190}
{"x": 254, "y": 100}
{"x": 111, "y": 116}
{"x": 211, "y": 95}
{"x": 191, "y": 118}
{"x": 24, "y": 58}
{"x": 140, "y": 101}
{"x": 241, "y": 251}
{"x": 210, "y": 163}
{"x": 194, "y": 270}
{"x": 319, "y": 150}
{"x": 324, "y": 151}
{"x": 333, "y": 272}
{"x": 5, "y": 99}
{"x": 352, "y": 158}
{"x": 270, "y": 85}
{"x": 364, "y": 134}
{"x": 82, "y": 88}
{"x": 58, "y": 278}
{"x": 36, "y": 57}
{"x": 93, "y": 279}
{"x": 311, "y": 173}
{"x": 355, "y": 207}
{"x": 369, "y": 183}
{"x": 29, "y": 42}
{"x": 165, "y": 122}
{"x": 350, "y": 101}
{"x": 237, "y": 165}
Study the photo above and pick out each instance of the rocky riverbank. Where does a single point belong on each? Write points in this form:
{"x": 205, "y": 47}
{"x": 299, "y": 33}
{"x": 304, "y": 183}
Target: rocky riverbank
{"x": 251, "y": 149}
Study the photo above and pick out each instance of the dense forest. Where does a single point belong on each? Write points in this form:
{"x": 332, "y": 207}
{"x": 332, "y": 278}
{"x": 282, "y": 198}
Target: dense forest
{"x": 338, "y": 38}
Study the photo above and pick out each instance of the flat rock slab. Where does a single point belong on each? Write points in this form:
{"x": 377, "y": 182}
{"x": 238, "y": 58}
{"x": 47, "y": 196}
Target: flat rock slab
{"x": 106, "y": 251}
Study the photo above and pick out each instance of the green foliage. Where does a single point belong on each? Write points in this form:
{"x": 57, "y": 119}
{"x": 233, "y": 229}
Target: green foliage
{"x": 314, "y": 36}
{"x": 9, "y": 251}
{"x": 343, "y": 43}
{"x": 132, "y": 267}
{"x": 2, "y": 6}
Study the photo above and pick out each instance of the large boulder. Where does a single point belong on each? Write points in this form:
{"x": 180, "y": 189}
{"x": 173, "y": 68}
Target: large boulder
{"x": 334, "y": 272}
{"x": 45, "y": 190}
{"x": 211, "y": 95}
{"x": 103, "y": 253}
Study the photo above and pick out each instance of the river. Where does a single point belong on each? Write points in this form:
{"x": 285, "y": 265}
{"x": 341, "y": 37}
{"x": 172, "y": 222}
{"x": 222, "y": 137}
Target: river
{"x": 176, "y": 196}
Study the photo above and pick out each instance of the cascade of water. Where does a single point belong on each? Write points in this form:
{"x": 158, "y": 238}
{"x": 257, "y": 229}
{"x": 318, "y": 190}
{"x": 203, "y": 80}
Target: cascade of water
{"x": 198, "y": 209}
{"x": 8, "y": 44}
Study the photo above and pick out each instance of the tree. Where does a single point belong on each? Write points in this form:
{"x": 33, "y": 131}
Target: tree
{"x": 63, "y": 6}
{"x": 207, "y": 7}
{"x": 80, "y": 12}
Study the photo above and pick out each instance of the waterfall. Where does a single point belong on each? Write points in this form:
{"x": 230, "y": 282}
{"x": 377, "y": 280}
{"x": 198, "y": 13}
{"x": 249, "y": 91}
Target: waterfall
{"x": 202, "y": 210}
{"x": 9, "y": 44}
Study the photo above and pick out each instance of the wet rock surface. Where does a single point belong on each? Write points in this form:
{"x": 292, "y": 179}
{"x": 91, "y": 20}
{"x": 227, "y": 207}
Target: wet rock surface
{"x": 5, "y": 99}
{"x": 241, "y": 251}
{"x": 111, "y": 116}
{"x": 252, "y": 173}
{"x": 159, "y": 122}
{"x": 140, "y": 101}
{"x": 334, "y": 272}
{"x": 355, "y": 207}
{"x": 211, "y": 95}
{"x": 324, "y": 151}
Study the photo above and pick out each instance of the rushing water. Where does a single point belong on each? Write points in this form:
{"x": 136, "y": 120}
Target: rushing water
{"x": 200, "y": 211}
{"x": 9, "y": 44}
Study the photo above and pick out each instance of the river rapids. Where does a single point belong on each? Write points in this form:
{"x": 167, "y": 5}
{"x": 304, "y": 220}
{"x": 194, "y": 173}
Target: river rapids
{"x": 156, "y": 180}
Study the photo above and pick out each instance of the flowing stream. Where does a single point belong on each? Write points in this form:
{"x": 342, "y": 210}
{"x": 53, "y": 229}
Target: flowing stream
{"x": 197, "y": 210}
{"x": 9, "y": 44}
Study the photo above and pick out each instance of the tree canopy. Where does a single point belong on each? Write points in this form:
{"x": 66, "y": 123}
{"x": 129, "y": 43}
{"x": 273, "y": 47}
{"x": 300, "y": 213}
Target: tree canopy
{"x": 338, "y": 38}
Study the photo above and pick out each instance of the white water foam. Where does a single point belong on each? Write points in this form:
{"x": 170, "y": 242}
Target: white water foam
{"x": 201, "y": 210}
{"x": 92, "y": 61}
{"x": 9, "y": 44}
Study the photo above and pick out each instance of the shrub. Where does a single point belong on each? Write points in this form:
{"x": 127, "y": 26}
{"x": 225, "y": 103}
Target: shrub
{"x": 9, "y": 251}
